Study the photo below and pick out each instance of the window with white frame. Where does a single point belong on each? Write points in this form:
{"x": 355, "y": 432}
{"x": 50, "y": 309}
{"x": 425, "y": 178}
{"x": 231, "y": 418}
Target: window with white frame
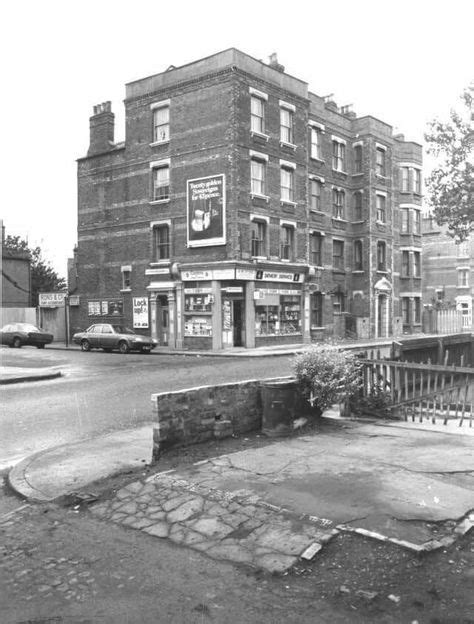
{"x": 161, "y": 124}
{"x": 463, "y": 249}
{"x": 381, "y": 256}
{"x": 358, "y": 159}
{"x": 258, "y": 232}
{"x": 257, "y": 175}
{"x": 316, "y": 249}
{"x": 381, "y": 208}
{"x": 417, "y": 310}
{"x": 257, "y": 114}
{"x": 357, "y": 204}
{"x": 287, "y": 242}
{"x": 405, "y": 263}
{"x": 405, "y": 305}
{"x": 358, "y": 265}
{"x": 404, "y": 220}
{"x": 338, "y": 200}
{"x": 417, "y": 181}
{"x": 126, "y": 277}
{"x": 463, "y": 277}
{"x": 161, "y": 242}
{"x": 404, "y": 179}
{"x": 287, "y": 184}
{"x": 315, "y": 188}
{"x": 338, "y": 155}
{"x": 380, "y": 167}
{"x": 417, "y": 222}
{"x": 316, "y": 143}
{"x": 338, "y": 255}
{"x": 286, "y": 125}
{"x": 161, "y": 182}
{"x": 416, "y": 264}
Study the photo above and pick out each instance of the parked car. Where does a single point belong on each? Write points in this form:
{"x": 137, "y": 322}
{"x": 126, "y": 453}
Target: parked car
{"x": 108, "y": 337}
{"x": 18, "y": 334}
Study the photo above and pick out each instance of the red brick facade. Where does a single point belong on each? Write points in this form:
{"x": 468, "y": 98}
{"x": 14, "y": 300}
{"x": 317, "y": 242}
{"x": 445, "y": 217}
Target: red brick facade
{"x": 229, "y": 215}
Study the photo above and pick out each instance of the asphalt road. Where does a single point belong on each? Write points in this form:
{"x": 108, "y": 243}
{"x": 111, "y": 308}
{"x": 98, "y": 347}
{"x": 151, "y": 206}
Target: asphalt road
{"x": 103, "y": 392}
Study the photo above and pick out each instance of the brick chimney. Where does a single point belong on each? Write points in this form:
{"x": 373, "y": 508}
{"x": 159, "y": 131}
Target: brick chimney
{"x": 101, "y": 126}
{"x": 273, "y": 62}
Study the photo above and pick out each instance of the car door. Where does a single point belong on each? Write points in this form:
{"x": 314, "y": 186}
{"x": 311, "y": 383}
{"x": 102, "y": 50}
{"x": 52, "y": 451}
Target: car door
{"x": 93, "y": 335}
{"x": 107, "y": 337}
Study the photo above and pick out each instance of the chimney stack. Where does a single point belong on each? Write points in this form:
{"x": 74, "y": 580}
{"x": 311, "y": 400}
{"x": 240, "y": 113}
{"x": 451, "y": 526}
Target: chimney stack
{"x": 101, "y": 126}
{"x": 273, "y": 62}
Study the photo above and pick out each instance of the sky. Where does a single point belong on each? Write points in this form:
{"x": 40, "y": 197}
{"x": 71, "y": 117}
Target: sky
{"x": 404, "y": 62}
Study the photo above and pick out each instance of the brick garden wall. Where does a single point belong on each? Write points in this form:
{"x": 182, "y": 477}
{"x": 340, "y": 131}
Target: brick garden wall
{"x": 198, "y": 414}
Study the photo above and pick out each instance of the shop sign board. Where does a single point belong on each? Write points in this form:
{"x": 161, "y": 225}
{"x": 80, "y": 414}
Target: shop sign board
{"x": 245, "y": 274}
{"x": 197, "y": 291}
{"x": 196, "y": 276}
{"x": 232, "y": 289}
{"x": 52, "y": 300}
{"x": 140, "y": 312}
{"x": 223, "y": 274}
{"x": 278, "y": 276}
{"x": 261, "y": 293}
{"x": 206, "y": 211}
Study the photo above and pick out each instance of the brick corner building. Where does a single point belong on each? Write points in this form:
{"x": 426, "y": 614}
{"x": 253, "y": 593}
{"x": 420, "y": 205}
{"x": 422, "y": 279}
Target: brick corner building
{"x": 244, "y": 210}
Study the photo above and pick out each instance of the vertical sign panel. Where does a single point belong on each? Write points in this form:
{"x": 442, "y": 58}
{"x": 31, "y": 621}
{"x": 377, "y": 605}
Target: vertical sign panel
{"x": 140, "y": 312}
{"x": 206, "y": 211}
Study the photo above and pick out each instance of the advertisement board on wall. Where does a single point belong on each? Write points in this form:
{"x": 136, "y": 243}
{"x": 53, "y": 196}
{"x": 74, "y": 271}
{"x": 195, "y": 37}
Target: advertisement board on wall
{"x": 109, "y": 307}
{"x": 140, "y": 312}
{"x": 52, "y": 300}
{"x": 206, "y": 211}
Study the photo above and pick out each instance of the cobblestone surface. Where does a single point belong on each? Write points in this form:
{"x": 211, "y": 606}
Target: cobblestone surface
{"x": 236, "y": 526}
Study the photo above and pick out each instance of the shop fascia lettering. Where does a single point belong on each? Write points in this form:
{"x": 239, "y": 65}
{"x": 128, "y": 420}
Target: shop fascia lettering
{"x": 261, "y": 293}
{"x": 241, "y": 274}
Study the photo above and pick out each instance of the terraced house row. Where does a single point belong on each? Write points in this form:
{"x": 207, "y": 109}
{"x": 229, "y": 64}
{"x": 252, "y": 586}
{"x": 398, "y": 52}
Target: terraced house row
{"x": 244, "y": 210}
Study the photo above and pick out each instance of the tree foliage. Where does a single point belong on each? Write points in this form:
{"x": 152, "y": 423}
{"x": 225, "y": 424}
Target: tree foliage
{"x": 43, "y": 277}
{"x": 450, "y": 184}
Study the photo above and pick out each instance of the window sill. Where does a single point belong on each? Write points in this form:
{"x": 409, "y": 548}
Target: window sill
{"x": 382, "y": 271}
{"x": 290, "y": 145}
{"x": 125, "y": 290}
{"x": 466, "y": 286}
{"x": 380, "y": 222}
{"x": 334, "y": 270}
{"x": 317, "y": 327}
{"x": 160, "y": 262}
{"x": 359, "y": 173}
{"x": 259, "y": 135}
{"x": 154, "y": 202}
{"x": 285, "y": 260}
{"x": 340, "y": 171}
{"x": 258, "y": 196}
{"x": 339, "y": 219}
{"x": 287, "y": 202}
{"x": 357, "y": 222}
{"x": 320, "y": 212}
{"x": 358, "y": 271}
{"x": 319, "y": 160}
{"x": 259, "y": 257}
{"x": 382, "y": 178}
{"x": 155, "y": 143}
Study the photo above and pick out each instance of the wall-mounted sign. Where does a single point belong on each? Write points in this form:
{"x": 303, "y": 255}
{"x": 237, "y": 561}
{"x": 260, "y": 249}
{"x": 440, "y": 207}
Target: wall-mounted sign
{"x": 140, "y": 312}
{"x": 206, "y": 211}
{"x": 278, "y": 276}
{"x": 245, "y": 274}
{"x": 196, "y": 276}
{"x": 74, "y": 300}
{"x": 262, "y": 293}
{"x": 52, "y": 300}
{"x": 232, "y": 289}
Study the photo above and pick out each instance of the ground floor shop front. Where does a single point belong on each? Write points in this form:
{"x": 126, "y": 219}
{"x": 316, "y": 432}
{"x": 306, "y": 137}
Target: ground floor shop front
{"x": 230, "y": 307}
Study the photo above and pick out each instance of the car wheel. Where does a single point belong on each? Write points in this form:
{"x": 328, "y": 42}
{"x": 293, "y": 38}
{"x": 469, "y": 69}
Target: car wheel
{"x": 16, "y": 344}
{"x": 40, "y": 346}
{"x": 85, "y": 345}
{"x": 123, "y": 347}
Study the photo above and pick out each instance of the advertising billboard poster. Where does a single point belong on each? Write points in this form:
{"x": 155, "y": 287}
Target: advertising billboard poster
{"x": 140, "y": 312}
{"x": 206, "y": 211}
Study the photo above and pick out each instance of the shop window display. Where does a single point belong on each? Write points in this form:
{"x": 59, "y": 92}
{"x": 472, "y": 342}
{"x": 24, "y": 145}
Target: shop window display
{"x": 198, "y": 314}
{"x": 279, "y": 317}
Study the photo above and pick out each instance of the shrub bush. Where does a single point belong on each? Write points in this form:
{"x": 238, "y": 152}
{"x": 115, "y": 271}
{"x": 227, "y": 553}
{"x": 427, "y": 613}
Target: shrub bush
{"x": 326, "y": 375}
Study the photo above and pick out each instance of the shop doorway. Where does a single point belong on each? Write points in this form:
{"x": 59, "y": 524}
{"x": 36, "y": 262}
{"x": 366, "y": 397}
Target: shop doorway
{"x": 232, "y": 322}
{"x": 162, "y": 319}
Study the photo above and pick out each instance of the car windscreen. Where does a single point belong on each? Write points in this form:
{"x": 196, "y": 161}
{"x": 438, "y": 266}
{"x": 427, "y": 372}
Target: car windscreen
{"x": 25, "y": 327}
{"x": 120, "y": 329}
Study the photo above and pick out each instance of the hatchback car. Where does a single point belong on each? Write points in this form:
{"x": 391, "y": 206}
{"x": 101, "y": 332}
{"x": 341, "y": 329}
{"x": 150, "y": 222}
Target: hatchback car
{"x": 108, "y": 337}
{"x": 18, "y": 334}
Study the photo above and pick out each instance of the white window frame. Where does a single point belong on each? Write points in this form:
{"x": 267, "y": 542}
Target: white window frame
{"x": 339, "y": 155}
{"x": 155, "y": 107}
{"x": 381, "y": 210}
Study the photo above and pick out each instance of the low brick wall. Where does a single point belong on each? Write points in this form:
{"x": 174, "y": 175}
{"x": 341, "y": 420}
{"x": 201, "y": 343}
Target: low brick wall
{"x": 197, "y": 414}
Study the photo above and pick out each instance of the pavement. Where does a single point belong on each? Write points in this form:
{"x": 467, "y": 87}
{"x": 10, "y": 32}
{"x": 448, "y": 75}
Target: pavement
{"x": 268, "y": 507}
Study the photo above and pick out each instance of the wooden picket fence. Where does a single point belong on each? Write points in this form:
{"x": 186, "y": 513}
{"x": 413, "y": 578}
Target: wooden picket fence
{"x": 421, "y": 391}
